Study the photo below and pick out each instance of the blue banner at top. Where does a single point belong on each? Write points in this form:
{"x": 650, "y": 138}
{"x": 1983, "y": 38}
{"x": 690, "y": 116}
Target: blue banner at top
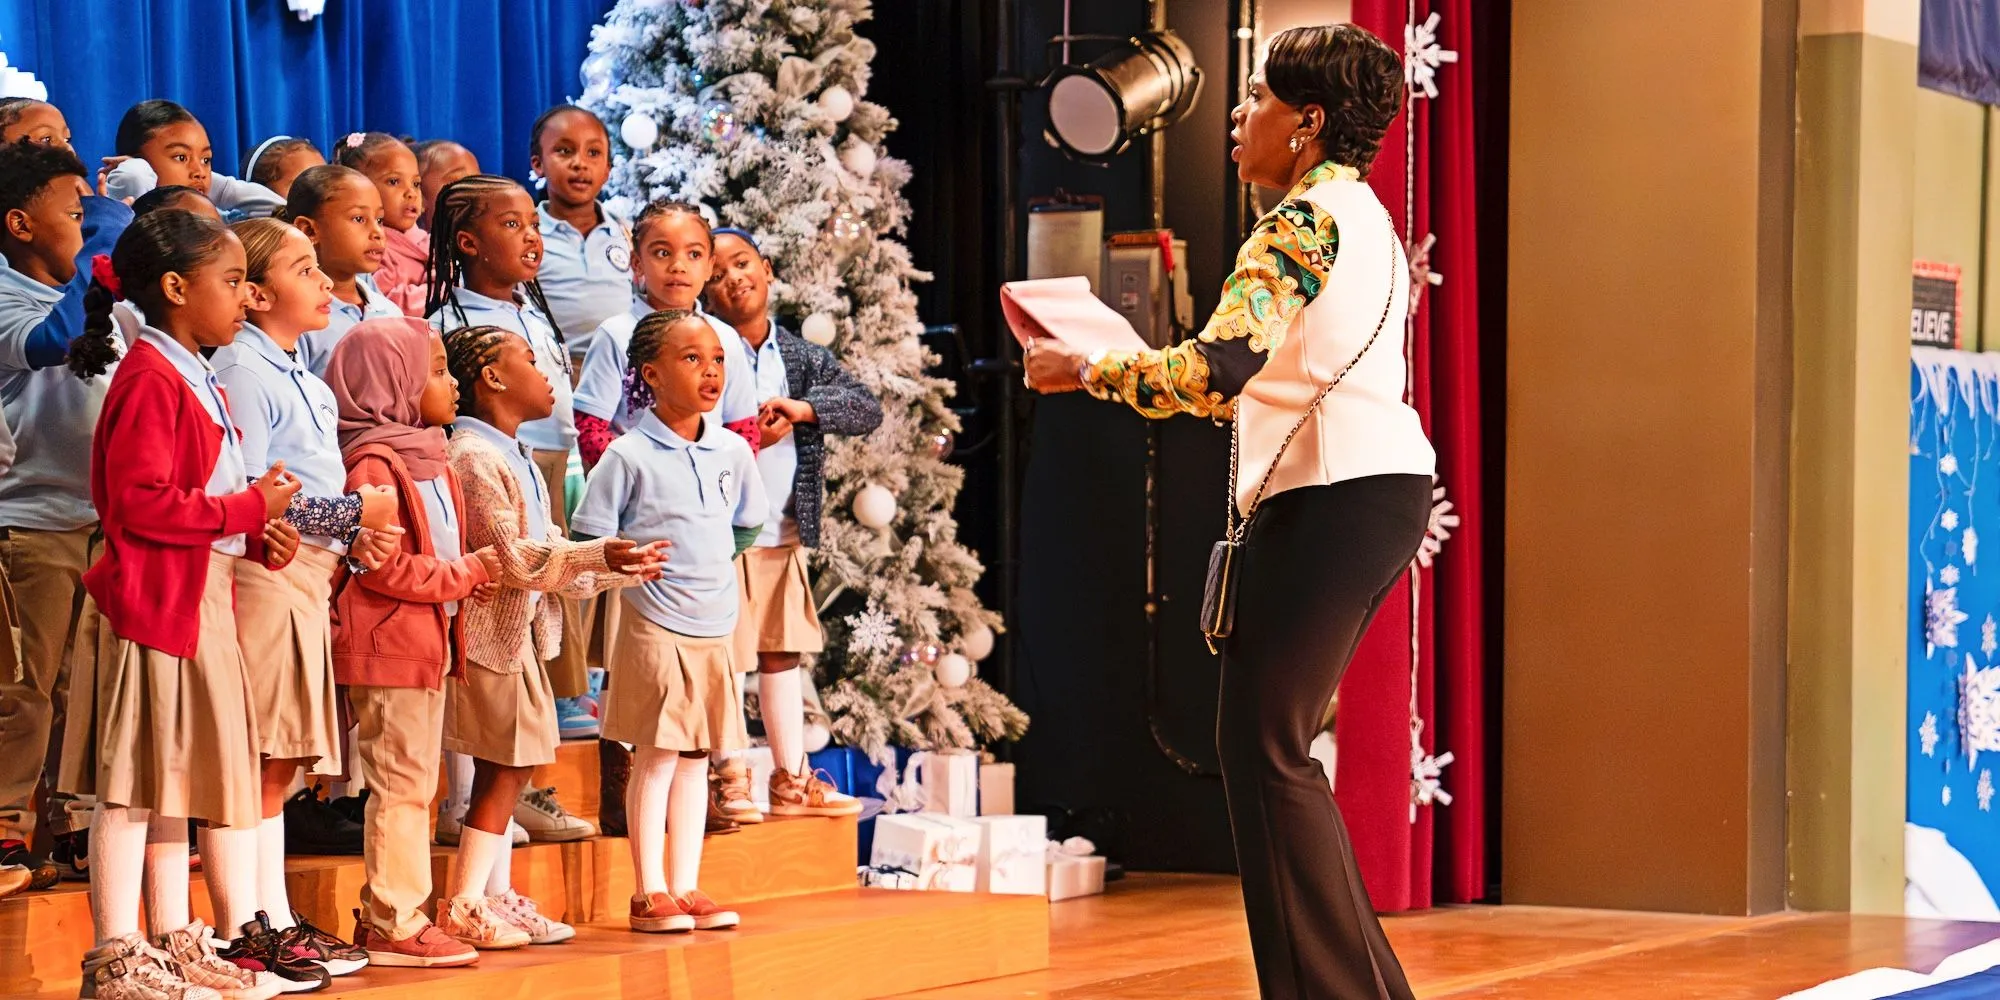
{"x": 1960, "y": 50}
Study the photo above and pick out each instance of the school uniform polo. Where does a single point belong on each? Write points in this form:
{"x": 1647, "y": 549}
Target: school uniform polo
{"x": 558, "y": 431}
{"x": 442, "y": 518}
{"x": 227, "y": 477}
{"x": 655, "y": 485}
{"x": 587, "y": 277}
{"x": 316, "y": 347}
{"x": 600, "y": 391}
{"x": 48, "y": 486}
{"x": 284, "y": 413}
{"x": 521, "y": 462}
{"x": 778, "y": 461}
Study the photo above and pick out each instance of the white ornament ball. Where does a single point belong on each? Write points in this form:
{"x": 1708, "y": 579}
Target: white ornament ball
{"x": 818, "y": 328}
{"x": 874, "y": 507}
{"x": 639, "y": 131}
{"x": 817, "y": 737}
{"x": 978, "y": 643}
{"x": 859, "y": 158}
{"x": 836, "y": 102}
{"x": 953, "y": 670}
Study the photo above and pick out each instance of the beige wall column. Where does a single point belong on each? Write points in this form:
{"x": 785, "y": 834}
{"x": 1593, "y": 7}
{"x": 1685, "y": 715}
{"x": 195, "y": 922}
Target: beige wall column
{"x": 1846, "y": 688}
{"x": 1649, "y": 371}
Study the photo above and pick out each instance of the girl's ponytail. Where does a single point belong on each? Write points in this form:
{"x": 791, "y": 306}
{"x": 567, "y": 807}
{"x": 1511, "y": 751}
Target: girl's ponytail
{"x": 154, "y": 245}
{"x": 91, "y": 354}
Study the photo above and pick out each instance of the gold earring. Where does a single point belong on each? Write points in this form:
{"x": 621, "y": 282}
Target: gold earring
{"x": 1297, "y": 144}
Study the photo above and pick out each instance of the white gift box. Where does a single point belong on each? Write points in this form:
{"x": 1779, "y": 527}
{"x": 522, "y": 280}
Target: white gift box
{"x": 942, "y": 850}
{"x": 944, "y": 782}
{"x": 996, "y": 789}
{"x": 761, "y": 765}
{"x": 1012, "y": 854}
{"x": 1071, "y": 876}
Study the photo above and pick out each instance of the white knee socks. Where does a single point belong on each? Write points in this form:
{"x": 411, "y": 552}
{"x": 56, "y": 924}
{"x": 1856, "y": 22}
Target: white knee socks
{"x": 781, "y": 700}
{"x": 118, "y": 869}
{"x": 646, "y": 800}
{"x": 229, "y": 865}
{"x": 458, "y": 783}
{"x": 687, "y": 821}
{"x": 167, "y": 873}
{"x": 478, "y": 852}
{"x": 272, "y": 896}
{"x": 500, "y": 880}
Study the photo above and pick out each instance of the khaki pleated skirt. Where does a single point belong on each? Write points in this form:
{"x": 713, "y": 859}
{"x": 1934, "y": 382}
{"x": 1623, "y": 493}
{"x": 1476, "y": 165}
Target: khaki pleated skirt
{"x": 150, "y": 730}
{"x": 506, "y": 714}
{"x": 282, "y": 625}
{"x": 777, "y": 613}
{"x": 671, "y": 691}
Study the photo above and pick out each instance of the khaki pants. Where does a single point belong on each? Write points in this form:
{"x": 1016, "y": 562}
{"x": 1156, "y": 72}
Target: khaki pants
{"x": 400, "y": 732}
{"x": 568, "y": 672}
{"x": 46, "y": 569}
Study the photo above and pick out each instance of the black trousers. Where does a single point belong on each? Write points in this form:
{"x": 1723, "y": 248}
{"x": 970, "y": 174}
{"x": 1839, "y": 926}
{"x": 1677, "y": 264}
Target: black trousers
{"x": 1317, "y": 563}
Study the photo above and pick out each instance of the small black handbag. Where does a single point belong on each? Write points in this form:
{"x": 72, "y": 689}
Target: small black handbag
{"x": 1225, "y": 560}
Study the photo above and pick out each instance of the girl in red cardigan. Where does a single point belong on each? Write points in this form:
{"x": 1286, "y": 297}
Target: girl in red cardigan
{"x": 163, "y": 707}
{"x": 396, "y": 635}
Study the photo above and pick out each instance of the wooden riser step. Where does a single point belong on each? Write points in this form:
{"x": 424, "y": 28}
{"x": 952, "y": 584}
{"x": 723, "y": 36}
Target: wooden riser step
{"x": 43, "y": 935}
{"x": 849, "y": 944}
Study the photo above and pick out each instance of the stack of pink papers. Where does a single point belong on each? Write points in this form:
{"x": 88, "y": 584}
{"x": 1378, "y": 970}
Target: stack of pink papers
{"x": 1065, "y": 309}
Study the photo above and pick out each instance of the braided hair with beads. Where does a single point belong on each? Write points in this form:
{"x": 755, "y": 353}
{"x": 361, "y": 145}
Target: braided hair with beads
{"x": 467, "y": 352}
{"x": 645, "y": 346}
{"x": 458, "y": 206}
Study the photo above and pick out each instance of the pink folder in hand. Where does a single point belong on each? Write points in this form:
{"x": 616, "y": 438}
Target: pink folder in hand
{"x": 1064, "y": 309}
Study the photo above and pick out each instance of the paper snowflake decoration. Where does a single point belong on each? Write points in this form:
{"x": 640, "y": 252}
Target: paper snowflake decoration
{"x": 1947, "y": 795}
{"x": 1927, "y": 734}
{"x": 1421, "y": 275}
{"x": 1949, "y": 575}
{"x": 1439, "y": 532}
{"x": 1423, "y": 56}
{"x": 1948, "y": 520}
{"x": 1970, "y": 546}
{"x": 1978, "y": 710}
{"x": 1989, "y": 637}
{"x": 20, "y": 82}
{"x": 307, "y": 9}
{"x": 1942, "y": 619}
{"x": 871, "y": 630}
{"x": 1985, "y": 790}
{"x": 1948, "y": 465}
{"x": 1425, "y": 788}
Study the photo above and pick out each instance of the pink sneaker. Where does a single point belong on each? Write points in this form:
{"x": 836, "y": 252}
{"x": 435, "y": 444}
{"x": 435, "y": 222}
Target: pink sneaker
{"x": 707, "y": 916}
{"x": 429, "y": 948}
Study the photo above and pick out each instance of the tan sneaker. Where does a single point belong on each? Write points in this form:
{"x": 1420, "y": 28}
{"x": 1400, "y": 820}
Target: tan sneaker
{"x": 128, "y": 968}
{"x": 660, "y": 913}
{"x": 707, "y": 916}
{"x": 809, "y": 795}
{"x": 477, "y": 923}
{"x": 521, "y": 911}
{"x": 732, "y": 787}
{"x": 198, "y": 963}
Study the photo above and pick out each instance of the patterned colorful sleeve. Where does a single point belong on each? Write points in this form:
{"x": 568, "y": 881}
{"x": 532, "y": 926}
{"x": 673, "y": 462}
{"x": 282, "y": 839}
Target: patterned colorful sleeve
{"x": 1278, "y": 271}
{"x": 329, "y": 517}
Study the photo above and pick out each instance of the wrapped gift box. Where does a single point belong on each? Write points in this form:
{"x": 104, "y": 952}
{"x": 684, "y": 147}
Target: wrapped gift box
{"x": 1013, "y": 854}
{"x": 996, "y": 789}
{"x": 951, "y": 783}
{"x": 942, "y": 850}
{"x": 1071, "y": 876}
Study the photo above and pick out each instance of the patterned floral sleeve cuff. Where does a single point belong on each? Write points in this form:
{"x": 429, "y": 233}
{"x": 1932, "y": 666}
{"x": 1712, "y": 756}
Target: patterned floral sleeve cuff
{"x": 1158, "y": 383}
{"x": 329, "y": 517}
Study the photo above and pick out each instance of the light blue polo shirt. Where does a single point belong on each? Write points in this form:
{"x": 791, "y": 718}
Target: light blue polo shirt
{"x": 520, "y": 459}
{"x": 654, "y": 484}
{"x": 48, "y": 486}
{"x": 587, "y": 277}
{"x": 558, "y": 431}
{"x": 316, "y": 347}
{"x": 447, "y": 538}
{"x": 778, "y": 462}
{"x": 227, "y": 476}
{"x": 284, "y": 414}
{"x": 600, "y": 391}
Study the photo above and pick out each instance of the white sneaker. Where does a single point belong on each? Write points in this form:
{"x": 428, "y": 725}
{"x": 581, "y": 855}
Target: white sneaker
{"x": 520, "y": 911}
{"x": 128, "y": 968}
{"x": 196, "y": 961}
{"x": 452, "y": 821}
{"x": 732, "y": 791}
{"x": 546, "y": 820}
{"x": 477, "y": 923}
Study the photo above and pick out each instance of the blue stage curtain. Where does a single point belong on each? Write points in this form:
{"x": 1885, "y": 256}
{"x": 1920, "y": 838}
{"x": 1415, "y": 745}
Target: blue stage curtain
{"x": 477, "y": 72}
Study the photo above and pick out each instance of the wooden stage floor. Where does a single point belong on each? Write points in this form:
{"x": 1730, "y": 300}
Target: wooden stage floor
{"x": 1155, "y": 937}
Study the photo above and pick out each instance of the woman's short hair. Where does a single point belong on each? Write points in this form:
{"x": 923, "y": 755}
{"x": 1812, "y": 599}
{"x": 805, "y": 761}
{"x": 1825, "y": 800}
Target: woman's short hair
{"x": 1351, "y": 74}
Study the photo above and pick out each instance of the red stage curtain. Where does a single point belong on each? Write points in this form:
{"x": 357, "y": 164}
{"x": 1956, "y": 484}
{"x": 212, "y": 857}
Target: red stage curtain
{"x": 1440, "y": 857}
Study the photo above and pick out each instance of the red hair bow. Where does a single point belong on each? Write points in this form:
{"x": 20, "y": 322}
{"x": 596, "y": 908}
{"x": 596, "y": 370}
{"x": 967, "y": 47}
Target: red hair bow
{"x": 100, "y": 270}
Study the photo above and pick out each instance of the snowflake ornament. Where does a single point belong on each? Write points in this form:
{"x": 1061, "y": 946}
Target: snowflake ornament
{"x": 1423, "y": 56}
{"x": 1989, "y": 637}
{"x": 1985, "y": 790}
{"x": 307, "y": 9}
{"x": 1948, "y": 465}
{"x": 871, "y": 630}
{"x": 1421, "y": 275}
{"x": 1947, "y": 795}
{"x": 1439, "y": 532}
{"x": 20, "y": 82}
{"x": 1425, "y": 788}
{"x": 1942, "y": 619}
{"x": 1949, "y": 575}
{"x": 1927, "y": 734}
{"x": 1970, "y": 546}
{"x": 1978, "y": 710}
{"x": 1948, "y": 520}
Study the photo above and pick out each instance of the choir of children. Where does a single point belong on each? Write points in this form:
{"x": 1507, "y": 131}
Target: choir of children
{"x": 263, "y": 483}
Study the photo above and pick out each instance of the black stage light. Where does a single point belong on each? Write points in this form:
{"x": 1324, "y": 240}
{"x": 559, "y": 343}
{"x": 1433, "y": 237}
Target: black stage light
{"x": 1144, "y": 84}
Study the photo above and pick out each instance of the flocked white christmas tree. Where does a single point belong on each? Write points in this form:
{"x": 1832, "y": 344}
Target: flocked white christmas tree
{"x": 754, "y": 109}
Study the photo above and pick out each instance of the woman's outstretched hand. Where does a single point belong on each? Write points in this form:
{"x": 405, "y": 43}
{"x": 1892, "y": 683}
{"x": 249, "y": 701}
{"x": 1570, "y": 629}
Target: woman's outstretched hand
{"x": 1052, "y": 366}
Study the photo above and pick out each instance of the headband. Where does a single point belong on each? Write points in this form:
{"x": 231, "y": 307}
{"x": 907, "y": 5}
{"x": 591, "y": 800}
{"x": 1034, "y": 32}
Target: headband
{"x": 258, "y": 153}
{"x": 739, "y": 233}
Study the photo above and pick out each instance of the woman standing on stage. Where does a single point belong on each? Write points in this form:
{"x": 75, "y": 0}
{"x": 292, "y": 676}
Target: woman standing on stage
{"x": 1331, "y": 472}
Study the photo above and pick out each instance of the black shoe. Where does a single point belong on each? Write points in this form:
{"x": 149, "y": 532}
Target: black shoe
{"x": 44, "y": 872}
{"x": 313, "y": 827}
{"x": 354, "y": 807}
{"x": 614, "y": 771}
{"x": 72, "y": 855}
{"x": 262, "y": 949}
{"x": 334, "y": 955}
